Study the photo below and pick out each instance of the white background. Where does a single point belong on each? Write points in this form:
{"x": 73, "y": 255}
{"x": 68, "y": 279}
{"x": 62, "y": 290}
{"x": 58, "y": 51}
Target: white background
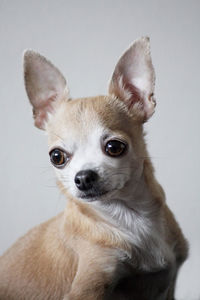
{"x": 85, "y": 39}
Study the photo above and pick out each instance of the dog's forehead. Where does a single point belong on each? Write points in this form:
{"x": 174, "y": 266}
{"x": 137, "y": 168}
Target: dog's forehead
{"x": 79, "y": 118}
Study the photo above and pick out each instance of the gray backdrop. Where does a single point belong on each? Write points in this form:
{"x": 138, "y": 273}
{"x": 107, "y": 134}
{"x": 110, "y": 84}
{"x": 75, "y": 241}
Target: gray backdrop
{"x": 85, "y": 39}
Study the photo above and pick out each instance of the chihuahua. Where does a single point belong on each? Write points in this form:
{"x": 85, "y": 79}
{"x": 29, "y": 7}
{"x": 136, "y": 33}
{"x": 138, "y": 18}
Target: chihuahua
{"x": 117, "y": 238}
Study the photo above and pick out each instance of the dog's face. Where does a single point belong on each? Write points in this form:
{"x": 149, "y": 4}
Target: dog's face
{"x": 95, "y": 144}
{"x": 93, "y": 150}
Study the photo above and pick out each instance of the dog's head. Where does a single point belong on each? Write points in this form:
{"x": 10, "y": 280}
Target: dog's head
{"x": 95, "y": 144}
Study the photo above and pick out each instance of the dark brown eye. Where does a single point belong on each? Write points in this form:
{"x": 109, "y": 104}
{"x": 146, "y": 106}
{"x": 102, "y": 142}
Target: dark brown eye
{"x": 58, "y": 157}
{"x": 115, "y": 148}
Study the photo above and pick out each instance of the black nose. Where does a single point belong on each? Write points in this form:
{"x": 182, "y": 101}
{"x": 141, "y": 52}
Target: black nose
{"x": 85, "y": 179}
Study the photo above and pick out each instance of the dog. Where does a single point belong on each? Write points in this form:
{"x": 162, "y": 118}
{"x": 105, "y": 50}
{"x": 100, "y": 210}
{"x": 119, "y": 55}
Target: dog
{"x": 117, "y": 238}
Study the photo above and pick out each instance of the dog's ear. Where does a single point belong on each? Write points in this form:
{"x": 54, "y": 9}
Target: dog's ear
{"x": 133, "y": 80}
{"x": 44, "y": 85}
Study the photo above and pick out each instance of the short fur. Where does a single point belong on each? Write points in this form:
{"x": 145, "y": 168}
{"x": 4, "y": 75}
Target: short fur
{"x": 125, "y": 244}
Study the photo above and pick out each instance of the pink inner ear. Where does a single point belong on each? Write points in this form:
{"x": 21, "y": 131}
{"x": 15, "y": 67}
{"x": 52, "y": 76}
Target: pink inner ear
{"x": 126, "y": 91}
{"x": 40, "y": 112}
{"x": 134, "y": 95}
{"x": 142, "y": 104}
{"x": 145, "y": 104}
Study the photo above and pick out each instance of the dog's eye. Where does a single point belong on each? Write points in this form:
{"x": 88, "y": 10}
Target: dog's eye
{"x": 59, "y": 157}
{"x": 115, "y": 148}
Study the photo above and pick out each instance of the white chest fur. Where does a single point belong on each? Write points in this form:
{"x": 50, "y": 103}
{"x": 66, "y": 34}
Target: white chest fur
{"x": 143, "y": 229}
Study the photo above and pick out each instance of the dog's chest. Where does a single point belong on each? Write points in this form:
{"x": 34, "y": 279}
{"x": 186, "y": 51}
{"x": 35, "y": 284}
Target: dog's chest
{"x": 146, "y": 237}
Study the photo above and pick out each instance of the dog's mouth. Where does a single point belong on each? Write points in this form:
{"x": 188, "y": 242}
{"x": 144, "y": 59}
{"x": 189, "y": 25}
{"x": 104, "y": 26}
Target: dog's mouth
{"x": 93, "y": 195}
